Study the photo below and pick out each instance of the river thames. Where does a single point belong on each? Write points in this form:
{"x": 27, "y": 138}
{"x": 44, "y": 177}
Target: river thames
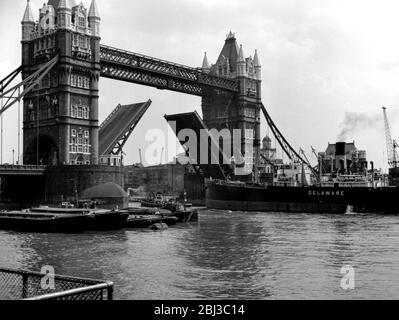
{"x": 226, "y": 256}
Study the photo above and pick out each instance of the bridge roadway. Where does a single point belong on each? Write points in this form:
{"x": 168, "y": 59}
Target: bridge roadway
{"x": 22, "y": 170}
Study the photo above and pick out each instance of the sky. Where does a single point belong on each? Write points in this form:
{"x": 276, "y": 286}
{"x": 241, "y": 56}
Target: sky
{"x": 328, "y": 66}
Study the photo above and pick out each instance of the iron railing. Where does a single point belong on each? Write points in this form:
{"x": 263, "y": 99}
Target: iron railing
{"x": 26, "y": 285}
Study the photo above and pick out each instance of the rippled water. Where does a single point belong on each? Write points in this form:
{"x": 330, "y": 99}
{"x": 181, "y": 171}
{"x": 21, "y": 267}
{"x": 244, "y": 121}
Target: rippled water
{"x": 227, "y": 255}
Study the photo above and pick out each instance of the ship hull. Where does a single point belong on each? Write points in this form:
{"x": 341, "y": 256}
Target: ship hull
{"x": 302, "y": 199}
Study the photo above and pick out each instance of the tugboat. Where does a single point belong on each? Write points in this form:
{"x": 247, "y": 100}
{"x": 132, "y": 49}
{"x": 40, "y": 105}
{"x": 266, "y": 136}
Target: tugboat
{"x": 157, "y": 201}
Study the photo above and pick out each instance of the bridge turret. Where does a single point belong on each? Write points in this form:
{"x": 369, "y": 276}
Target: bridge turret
{"x": 64, "y": 14}
{"x": 241, "y": 63}
{"x": 242, "y": 110}
{"x": 258, "y": 66}
{"x": 28, "y": 23}
{"x": 205, "y": 64}
{"x": 94, "y": 19}
{"x": 61, "y": 113}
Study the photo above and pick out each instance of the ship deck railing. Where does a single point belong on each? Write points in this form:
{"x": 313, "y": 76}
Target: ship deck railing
{"x": 27, "y": 285}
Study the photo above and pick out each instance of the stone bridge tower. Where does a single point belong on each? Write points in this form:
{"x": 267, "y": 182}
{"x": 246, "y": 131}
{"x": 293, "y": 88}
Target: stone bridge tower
{"x": 240, "y": 111}
{"x": 61, "y": 113}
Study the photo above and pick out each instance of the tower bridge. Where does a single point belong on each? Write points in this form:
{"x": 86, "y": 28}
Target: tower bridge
{"x": 62, "y": 62}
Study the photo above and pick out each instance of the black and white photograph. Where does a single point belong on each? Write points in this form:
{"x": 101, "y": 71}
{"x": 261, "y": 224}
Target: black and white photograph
{"x": 206, "y": 151}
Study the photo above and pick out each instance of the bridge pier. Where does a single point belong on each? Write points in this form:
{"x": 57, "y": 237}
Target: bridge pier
{"x": 17, "y": 192}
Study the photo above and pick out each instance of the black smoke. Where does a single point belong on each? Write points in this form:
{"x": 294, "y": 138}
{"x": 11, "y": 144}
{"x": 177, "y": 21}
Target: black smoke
{"x": 355, "y": 122}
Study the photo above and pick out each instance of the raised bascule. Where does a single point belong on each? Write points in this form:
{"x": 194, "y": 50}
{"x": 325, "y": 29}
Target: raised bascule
{"x": 62, "y": 62}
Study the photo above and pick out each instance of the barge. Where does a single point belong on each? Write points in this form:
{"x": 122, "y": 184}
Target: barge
{"x": 44, "y": 222}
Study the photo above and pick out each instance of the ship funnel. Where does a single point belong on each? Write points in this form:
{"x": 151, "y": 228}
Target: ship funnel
{"x": 340, "y": 148}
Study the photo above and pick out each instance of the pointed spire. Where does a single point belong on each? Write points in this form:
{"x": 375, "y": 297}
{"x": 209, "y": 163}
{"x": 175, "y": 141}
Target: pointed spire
{"x": 28, "y": 15}
{"x": 241, "y": 55}
{"x": 205, "y": 63}
{"x": 256, "y": 60}
{"x": 231, "y": 36}
{"x": 93, "y": 11}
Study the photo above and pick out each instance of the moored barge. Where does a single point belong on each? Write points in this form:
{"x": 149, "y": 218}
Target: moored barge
{"x": 44, "y": 222}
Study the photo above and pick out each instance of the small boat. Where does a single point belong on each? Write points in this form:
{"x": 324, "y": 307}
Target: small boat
{"x": 142, "y": 221}
{"x": 44, "y": 222}
{"x": 159, "y": 226}
{"x": 184, "y": 212}
{"x": 156, "y": 201}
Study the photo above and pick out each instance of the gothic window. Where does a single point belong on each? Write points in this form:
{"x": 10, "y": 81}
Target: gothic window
{"x": 73, "y": 80}
{"x": 80, "y": 81}
{"x": 80, "y": 113}
{"x": 81, "y": 21}
{"x": 86, "y": 83}
{"x": 82, "y": 42}
{"x": 73, "y": 133}
{"x": 86, "y": 134}
{"x": 75, "y": 40}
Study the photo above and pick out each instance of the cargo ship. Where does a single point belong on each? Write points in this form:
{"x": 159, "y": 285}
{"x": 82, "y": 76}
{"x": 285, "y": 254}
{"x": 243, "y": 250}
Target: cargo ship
{"x": 345, "y": 185}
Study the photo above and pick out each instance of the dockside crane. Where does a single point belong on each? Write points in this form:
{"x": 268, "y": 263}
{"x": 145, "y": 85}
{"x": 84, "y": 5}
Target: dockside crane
{"x": 392, "y": 145}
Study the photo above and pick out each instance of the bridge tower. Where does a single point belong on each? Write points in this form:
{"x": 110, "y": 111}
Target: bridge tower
{"x": 61, "y": 113}
{"x": 236, "y": 111}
